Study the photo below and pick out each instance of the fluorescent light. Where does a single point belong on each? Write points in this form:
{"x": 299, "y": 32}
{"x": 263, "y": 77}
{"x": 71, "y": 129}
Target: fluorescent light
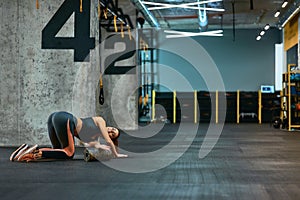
{"x": 188, "y": 4}
{"x": 193, "y": 5}
{"x": 277, "y": 13}
{"x": 258, "y": 37}
{"x": 267, "y": 27}
{"x": 262, "y": 33}
{"x": 284, "y": 4}
{"x": 187, "y": 7}
{"x": 178, "y": 34}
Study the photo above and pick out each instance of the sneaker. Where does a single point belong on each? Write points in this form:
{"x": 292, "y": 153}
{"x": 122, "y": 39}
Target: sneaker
{"x": 15, "y": 155}
{"x": 28, "y": 154}
{"x": 28, "y": 157}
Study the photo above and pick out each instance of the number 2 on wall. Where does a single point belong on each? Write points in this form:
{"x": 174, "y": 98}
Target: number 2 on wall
{"x": 81, "y": 42}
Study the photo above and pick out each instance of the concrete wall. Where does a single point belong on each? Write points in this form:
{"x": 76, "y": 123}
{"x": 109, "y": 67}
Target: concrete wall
{"x": 120, "y": 91}
{"x": 36, "y": 81}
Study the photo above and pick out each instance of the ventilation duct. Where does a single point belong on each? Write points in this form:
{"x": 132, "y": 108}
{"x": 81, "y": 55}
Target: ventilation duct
{"x": 145, "y": 12}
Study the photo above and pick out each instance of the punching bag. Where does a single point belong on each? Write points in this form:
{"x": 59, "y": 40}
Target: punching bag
{"x": 101, "y": 94}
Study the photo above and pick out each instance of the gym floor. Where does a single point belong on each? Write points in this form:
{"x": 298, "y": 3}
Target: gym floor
{"x": 249, "y": 161}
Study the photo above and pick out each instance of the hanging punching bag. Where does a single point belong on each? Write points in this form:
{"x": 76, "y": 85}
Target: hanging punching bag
{"x": 101, "y": 94}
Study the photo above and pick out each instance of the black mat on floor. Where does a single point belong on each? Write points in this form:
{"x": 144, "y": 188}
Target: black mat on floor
{"x": 249, "y": 161}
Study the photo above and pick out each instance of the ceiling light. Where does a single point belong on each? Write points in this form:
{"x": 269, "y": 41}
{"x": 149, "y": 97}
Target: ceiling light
{"x": 178, "y": 34}
{"x": 277, "y": 13}
{"x": 186, "y": 7}
{"x": 258, "y": 37}
{"x": 284, "y": 4}
{"x": 267, "y": 26}
{"x": 193, "y": 5}
{"x": 262, "y": 33}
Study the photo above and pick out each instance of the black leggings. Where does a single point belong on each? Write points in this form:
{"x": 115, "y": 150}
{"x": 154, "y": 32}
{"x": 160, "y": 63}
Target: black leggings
{"x": 58, "y": 134}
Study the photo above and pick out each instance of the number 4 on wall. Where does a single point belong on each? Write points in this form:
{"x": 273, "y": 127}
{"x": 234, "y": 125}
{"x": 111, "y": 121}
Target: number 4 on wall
{"x": 81, "y": 42}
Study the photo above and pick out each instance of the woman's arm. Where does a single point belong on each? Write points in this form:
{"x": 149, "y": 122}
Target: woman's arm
{"x": 96, "y": 144}
{"x": 100, "y": 122}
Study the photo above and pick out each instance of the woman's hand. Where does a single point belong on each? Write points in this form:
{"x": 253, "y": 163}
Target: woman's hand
{"x": 97, "y": 145}
{"x": 119, "y": 155}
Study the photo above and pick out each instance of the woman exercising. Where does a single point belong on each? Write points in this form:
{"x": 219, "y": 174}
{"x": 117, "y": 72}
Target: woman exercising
{"x": 62, "y": 128}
